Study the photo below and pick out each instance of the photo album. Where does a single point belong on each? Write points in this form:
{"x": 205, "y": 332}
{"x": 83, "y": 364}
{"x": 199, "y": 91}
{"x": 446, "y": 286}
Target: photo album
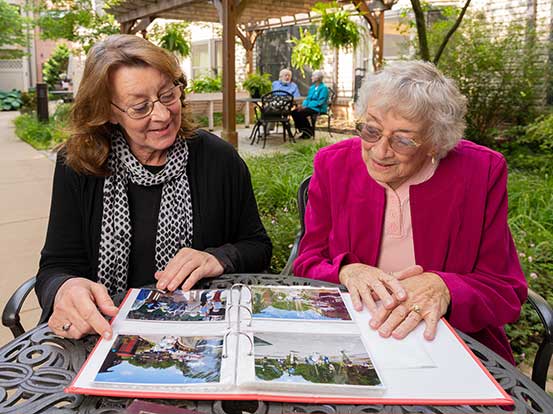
{"x": 279, "y": 343}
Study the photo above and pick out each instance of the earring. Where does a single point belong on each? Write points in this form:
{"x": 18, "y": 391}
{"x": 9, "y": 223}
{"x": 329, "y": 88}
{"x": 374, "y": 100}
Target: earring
{"x": 433, "y": 160}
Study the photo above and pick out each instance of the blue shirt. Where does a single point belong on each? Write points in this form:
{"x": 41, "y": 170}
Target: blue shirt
{"x": 291, "y": 88}
{"x": 317, "y": 98}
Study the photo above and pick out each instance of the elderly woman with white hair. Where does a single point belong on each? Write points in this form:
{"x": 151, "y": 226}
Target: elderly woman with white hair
{"x": 285, "y": 84}
{"x": 411, "y": 218}
{"x": 315, "y": 103}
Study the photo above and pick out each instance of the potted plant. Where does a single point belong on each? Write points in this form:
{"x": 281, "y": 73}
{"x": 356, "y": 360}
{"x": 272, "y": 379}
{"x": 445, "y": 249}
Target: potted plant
{"x": 257, "y": 84}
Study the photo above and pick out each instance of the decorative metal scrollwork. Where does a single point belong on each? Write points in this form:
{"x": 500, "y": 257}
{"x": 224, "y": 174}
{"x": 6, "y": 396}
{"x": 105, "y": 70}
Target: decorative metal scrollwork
{"x": 37, "y": 366}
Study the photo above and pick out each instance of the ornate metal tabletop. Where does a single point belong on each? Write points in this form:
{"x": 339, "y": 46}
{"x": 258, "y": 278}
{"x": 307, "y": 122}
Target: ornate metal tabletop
{"x": 37, "y": 366}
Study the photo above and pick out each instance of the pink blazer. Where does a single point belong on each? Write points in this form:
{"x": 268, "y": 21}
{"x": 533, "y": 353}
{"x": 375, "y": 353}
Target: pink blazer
{"x": 460, "y": 232}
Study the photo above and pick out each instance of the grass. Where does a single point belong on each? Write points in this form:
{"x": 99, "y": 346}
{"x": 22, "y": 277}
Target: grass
{"x": 276, "y": 179}
{"x": 531, "y": 222}
{"x": 43, "y": 135}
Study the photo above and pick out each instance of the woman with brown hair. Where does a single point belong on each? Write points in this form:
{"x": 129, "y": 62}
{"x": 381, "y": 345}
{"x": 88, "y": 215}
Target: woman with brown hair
{"x": 139, "y": 196}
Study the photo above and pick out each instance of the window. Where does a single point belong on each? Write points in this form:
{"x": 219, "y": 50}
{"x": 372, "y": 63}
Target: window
{"x": 207, "y": 58}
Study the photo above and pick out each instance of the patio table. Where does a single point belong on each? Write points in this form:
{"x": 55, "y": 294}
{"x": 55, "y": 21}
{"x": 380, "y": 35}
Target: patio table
{"x": 256, "y": 101}
{"x": 35, "y": 368}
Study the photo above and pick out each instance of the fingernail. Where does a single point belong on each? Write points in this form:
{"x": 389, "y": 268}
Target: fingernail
{"x": 107, "y": 335}
{"x": 388, "y": 302}
{"x": 161, "y": 285}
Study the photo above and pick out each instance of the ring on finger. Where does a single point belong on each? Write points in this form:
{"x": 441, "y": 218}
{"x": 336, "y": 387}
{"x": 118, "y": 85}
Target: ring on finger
{"x": 416, "y": 308}
{"x": 66, "y": 326}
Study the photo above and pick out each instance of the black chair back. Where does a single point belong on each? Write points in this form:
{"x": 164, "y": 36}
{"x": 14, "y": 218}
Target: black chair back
{"x": 276, "y": 105}
{"x": 302, "y": 204}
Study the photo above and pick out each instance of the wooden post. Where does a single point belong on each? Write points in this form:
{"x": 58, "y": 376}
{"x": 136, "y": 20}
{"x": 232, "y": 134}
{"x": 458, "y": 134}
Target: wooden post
{"x": 377, "y": 30}
{"x": 229, "y": 82}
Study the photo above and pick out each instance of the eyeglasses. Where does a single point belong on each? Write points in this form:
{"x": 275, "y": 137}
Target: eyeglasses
{"x": 401, "y": 145}
{"x": 143, "y": 109}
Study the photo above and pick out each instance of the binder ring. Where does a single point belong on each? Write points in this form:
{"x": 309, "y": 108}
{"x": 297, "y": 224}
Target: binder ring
{"x": 238, "y": 320}
{"x": 241, "y": 287}
{"x": 225, "y": 339}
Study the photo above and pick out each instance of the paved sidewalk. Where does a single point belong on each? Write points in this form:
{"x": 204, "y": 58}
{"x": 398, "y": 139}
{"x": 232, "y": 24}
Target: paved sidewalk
{"x": 25, "y": 188}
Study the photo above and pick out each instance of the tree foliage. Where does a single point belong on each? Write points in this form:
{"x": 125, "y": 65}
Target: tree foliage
{"x": 173, "y": 37}
{"x": 420, "y": 11}
{"x": 76, "y": 21}
{"x": 56, "y": 65}
{"x": 499, "y": 67}
{"x": 12, "y": 31}
{"x": 306, "y": 52}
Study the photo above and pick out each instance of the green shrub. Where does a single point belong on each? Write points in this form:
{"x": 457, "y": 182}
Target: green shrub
{"x": 43, "y": 135}
{"x": 206, "y": 84}
{"x": 56, "y": 65}
{"x": 499, "y": 67}
{"x": 10, "y": 101}
{"x": 257, "y": 84}
{"x": 531, "y": 222}
{"x": 61, "y": 114}
{"x": 28, "y": 102}
{"x": 275, "y": 180}
{"x": 203, "y": 122}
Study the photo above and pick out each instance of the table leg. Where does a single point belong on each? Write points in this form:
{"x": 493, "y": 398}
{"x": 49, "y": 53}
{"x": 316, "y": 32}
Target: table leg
{"x": 210, "y": 116}
{"x": 247, "y": 115}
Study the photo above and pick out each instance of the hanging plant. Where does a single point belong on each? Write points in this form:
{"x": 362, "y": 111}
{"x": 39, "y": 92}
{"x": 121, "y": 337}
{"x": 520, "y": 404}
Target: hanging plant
{"x": 173, "y": 37}
{"x": 306, "y": 52}
{"x": 336, "y": 27}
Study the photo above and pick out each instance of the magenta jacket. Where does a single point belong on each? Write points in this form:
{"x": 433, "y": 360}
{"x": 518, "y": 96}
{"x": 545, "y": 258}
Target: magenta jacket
{"x": 460, "y": 232}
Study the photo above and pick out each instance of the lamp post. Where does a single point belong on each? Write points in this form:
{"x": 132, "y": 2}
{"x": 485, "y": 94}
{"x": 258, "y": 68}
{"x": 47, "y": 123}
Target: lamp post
{"x": 373, "y": 12}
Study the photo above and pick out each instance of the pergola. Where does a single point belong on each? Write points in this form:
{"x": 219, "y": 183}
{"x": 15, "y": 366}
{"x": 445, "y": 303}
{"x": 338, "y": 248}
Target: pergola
{"x": 243, "y": 18}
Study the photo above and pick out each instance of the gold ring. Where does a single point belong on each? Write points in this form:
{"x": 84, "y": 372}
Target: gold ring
{"x": 416, "y": 308}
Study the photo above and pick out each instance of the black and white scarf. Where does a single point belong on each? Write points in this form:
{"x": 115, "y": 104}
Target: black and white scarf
{"x": 174, "y": 229}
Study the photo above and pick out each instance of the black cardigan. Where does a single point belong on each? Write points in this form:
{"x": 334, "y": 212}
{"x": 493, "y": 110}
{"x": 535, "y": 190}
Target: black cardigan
{"x": 225, "y": 219}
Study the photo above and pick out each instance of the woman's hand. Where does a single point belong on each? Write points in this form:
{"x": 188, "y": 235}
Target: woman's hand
{"x": 367, "y": 284}
{"x": 427, "y": 299}
{"x": 78, "y": 308}
{"x": 188, "y": 266}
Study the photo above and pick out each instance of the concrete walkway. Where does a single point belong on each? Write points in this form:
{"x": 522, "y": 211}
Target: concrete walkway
{"x": 25, "y": 188}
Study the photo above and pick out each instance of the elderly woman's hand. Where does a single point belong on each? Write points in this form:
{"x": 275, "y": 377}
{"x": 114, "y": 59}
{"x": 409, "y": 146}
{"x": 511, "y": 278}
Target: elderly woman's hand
{"x": 427, "y": 299}
{"x": 367, "y": 284}
{"x": 188, "y": 266}
{"x": 77, "y": 307}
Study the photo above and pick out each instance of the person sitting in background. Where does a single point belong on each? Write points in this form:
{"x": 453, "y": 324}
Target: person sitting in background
{"x": 315, "y": 103}
{"x": 410, "y": 213}
{"x": 140, "y": 197}
{"x": 284, "y": 83}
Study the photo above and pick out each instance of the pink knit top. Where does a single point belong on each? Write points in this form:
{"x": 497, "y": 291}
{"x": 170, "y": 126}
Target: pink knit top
{"x": 396, "y": 249}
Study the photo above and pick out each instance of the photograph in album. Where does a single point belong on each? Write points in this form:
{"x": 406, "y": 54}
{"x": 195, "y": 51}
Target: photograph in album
{"x": 272, "y": 302}
{"x": 162, "y": 359}
{"x": 179, "y": 306}
{"x": 310, "y": 359}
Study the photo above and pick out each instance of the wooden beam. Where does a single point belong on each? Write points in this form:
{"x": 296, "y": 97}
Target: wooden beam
{"x": 142, "y": 25}
{"x": 152, "y": 9}
{"x": 368, "y": 15}
{"x": 229, "y": 82}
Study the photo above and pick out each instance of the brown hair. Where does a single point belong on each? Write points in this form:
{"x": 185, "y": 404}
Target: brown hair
{"x": 90, "y": 130}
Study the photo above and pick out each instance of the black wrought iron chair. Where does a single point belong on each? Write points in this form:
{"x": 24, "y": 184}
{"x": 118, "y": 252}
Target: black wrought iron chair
{"x": 314, "y": 117}
{"x": 540, "y": 305}
{"x": 275, "y": 107}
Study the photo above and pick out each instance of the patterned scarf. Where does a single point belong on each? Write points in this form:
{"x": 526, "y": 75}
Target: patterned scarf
{"x": 174, "y": 229}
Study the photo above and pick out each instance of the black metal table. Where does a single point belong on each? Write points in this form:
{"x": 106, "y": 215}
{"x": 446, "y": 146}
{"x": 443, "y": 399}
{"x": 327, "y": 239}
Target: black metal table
{"x": 35, "y": 368}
